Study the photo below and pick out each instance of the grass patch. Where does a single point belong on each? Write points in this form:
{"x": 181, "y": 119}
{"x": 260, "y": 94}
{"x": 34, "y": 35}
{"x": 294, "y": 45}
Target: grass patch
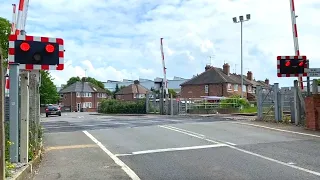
{"x": 249, "y": 110}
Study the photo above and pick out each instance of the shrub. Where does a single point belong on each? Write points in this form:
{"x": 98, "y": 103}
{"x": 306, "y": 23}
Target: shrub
{"x": 235, "y": 101}
{"x": 112, "y": 106}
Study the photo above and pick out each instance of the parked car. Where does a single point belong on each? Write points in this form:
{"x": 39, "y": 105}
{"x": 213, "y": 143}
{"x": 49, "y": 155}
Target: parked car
{"x": 53, "y": 110}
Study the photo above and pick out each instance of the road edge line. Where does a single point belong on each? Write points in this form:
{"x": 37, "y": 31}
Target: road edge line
{"x": 123, "y": 166}
{"x": 276, "y": 129}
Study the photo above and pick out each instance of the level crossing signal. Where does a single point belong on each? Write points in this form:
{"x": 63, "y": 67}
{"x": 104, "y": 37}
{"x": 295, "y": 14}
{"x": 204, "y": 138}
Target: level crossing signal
{"x": 36, "y": 53}
{"x": 292, "y": 66}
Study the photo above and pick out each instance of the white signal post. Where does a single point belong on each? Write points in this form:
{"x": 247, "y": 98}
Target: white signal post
{"x": 295, "y": 36}
{"x": 166, "y": 92}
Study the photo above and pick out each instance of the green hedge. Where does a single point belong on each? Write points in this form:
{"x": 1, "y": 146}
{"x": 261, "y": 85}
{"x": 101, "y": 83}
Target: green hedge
{"x": 112, "y": 106}
{"x": 235, "y": 102}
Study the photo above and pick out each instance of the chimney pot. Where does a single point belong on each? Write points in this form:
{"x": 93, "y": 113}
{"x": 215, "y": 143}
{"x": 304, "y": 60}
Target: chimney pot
{"x": 266, "y": 81}
{"x": 226, "y": 68}
{"x": 249, "y": 75}
{"x": 207, "y": 67}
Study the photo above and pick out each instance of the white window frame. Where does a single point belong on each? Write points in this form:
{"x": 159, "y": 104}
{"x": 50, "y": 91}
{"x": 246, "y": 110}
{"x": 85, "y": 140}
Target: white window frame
{"x": 78, "y": 94}
{"x": 244, "y": 88}
{"x": 249, "y": 88}
{"x": 235, "y": 87}
{"x": 206, "y": 89}
{"x": 229, "y": 87}
{"x": 87, "y": 105}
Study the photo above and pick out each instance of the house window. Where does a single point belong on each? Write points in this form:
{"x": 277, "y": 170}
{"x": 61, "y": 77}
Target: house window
{"x": 98, "y": 103}
{"x": 61, "y": 95}
{"x": 78, "y": 94}
{"x": 249, "y": 89}
{"x": 87, "y": 105}
{"x": 235, "y": 87}
{"x": 86, "y": 95}
{"x": 244, "y": 89}
{"x": 206, "y": 89}
{"x": 229, "y": 87}
{"x": 101, "y": 95}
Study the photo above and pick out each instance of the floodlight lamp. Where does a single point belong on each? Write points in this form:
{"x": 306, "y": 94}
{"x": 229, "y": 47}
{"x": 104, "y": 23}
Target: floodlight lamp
{"x": 235, "y": 19}
{"x": 241, "y": 18}
{"x": 248, "y": 16}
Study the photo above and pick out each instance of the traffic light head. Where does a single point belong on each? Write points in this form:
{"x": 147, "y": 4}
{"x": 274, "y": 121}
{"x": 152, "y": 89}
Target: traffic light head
{"x": 292, "y": 66}
{"x": 36, "y": 52}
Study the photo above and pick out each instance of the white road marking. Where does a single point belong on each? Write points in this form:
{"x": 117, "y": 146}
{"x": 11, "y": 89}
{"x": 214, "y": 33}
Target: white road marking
{"x": 291, "y": 163}
{"x": 173, "y": 149}
{"x": 276, "y": 129}
{"x": 201, "y": 135}
{"x": 254, "y": 154}
{"x": 123, "y": 166}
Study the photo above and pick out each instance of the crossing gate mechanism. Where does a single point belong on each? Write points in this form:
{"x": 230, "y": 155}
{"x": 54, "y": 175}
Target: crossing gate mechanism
{"x": 36, "y": 53}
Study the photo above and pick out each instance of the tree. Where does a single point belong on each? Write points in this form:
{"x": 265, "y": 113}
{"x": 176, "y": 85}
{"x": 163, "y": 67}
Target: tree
{"x": 5, "y": 27}
{"x": 72, "y": 80}
{"x": 171, "y": 91}
{"x": 48, "y": 91}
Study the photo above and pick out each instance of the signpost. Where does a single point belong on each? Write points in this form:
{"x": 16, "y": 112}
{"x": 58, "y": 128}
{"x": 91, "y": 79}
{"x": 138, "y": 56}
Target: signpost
{"x": 314, "y": 72}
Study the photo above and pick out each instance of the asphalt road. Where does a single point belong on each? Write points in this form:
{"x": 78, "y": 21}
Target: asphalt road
{"x": 83, "y": 146}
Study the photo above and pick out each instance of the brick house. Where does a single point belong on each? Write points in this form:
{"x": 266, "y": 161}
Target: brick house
{"x": 82, "y": 95}
{"x": 219, "y": 82}
{"x": 132, "y": 92}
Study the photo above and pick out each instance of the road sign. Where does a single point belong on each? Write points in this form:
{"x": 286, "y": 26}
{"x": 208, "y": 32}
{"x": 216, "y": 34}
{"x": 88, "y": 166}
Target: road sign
{"x": 314, "y": 72}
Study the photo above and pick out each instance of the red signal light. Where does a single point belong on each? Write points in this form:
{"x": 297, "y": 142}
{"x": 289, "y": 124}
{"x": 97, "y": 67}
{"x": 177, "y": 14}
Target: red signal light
{"x": 301, "y": 64}
{"x": 24, "y": 46}
{"x": 288, "y": 63}
{"x": 49, "y": 48}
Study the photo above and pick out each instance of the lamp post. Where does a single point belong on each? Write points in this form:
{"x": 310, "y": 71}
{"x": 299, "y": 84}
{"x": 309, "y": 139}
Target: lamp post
{"x": 241, "y": 20}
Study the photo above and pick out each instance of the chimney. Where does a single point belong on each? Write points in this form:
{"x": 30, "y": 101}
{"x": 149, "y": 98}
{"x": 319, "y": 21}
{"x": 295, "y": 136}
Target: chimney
{"x": 249, "y": 75}
{"x": 207, "y": 67}
{"x": 136, "y": 82}
{"x": 266, "y": 81}
{"x": 226, "y": 68}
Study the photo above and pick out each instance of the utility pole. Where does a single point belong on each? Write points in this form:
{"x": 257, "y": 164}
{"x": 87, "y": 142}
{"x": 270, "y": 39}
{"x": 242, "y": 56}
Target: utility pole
{"x": 2, "y": 129}
{"x": 241, "y": 20}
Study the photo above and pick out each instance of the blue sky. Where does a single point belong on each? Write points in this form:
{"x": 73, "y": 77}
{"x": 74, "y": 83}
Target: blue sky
{"x": 120, "y": 39}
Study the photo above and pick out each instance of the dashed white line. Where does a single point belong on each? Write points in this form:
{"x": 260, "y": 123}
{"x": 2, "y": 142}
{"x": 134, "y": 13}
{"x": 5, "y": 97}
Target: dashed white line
{"x": 123, "y": 166}
{"x": 248, "y": 152}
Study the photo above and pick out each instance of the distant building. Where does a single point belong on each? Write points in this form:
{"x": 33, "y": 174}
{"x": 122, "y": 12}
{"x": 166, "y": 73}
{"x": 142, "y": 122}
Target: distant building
{"x": 132, "y": 92}
{"x": 220, "y": 82}
{"x": 82, "y": 95}
{"x": 147, "y": 83}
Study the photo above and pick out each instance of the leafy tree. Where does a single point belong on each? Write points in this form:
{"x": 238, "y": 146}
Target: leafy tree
{"x": 171, "y": 91}
{"x": 4, "y": 36}
{"x": 72, "y": 80}
{"x": 48, "y": 91}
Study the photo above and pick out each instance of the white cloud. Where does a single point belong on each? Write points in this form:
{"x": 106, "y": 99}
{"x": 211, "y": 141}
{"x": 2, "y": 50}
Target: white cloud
{"x": 120, "y": 39}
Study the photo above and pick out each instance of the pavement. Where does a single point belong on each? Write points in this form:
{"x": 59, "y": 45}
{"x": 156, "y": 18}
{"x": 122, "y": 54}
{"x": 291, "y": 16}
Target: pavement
{"x": 84, "y": 146}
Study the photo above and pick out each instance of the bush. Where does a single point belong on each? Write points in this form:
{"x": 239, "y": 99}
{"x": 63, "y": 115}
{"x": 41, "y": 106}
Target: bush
{"x": 112, "y": 106}
{"x": 235, "y": 101}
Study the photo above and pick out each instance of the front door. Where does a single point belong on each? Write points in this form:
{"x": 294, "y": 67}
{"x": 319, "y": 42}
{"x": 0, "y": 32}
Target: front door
{"x": 78, "y": 107}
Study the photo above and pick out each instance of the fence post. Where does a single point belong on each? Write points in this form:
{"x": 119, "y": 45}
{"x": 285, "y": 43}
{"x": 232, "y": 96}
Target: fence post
{"x": 259, "y": 102}
{"x": 147, "y": 102}
{"x": 171, "y": 105}
{"x": 276, "y": 102}
{"x": 296, "y": 102}
{"x": 314, "y": 86}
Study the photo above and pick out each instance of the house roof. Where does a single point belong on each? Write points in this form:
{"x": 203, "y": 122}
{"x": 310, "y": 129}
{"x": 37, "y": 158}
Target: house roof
{"x": 213, "y": 75}
{"x": 82, "y": 87}
{"x": 133, "y": 89}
